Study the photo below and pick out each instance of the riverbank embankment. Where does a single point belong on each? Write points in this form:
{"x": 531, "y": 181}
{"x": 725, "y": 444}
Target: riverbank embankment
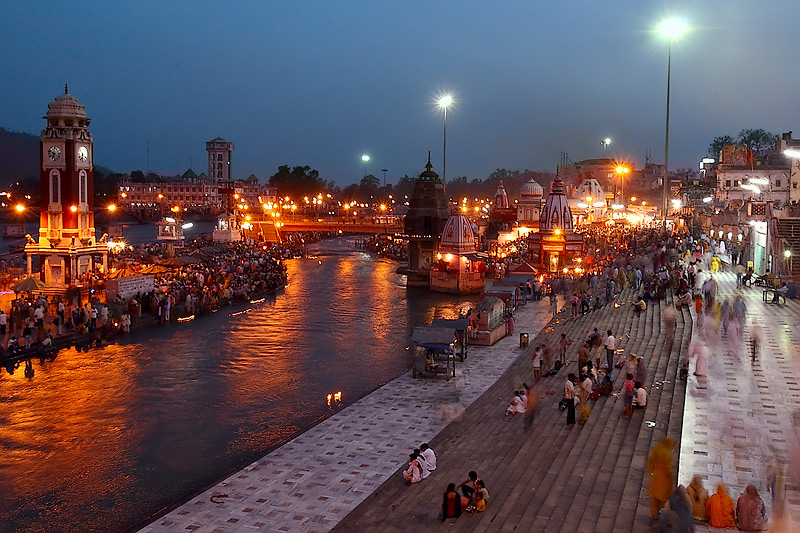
{"x": 313, "y": 481}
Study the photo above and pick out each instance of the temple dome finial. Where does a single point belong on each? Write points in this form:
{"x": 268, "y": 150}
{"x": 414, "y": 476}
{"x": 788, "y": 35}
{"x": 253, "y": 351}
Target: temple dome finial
{"x": 66, "y": 88}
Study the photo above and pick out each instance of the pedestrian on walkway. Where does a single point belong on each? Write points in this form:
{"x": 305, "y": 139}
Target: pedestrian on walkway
{"x": 659, "y": 466}
{"x": 641, "y": 371}
{"x": 537, "y": 362}
{"x": 453, "y": 504}
{"x": 531, "y": 401}
{"x": 755, "y": 335}
{"x": 553, "y": 303}
{"x": 611, "y": 345}
{"x": 677, "y": 518}
{"x": 562, "y": 344}
{"x": 428, "y": 456}
{"x": 719, "y": 507}
{"x": 699, "y": 497}
{"x": 547, "y": 359}
{"x": 629, "y": 394}
{"x": 569, "y": 397}
{"x": 469, "y": 485}
{"x": 669, "y": 316}
{"x": 413, "y": 474}
{"x": 750, "y": 510}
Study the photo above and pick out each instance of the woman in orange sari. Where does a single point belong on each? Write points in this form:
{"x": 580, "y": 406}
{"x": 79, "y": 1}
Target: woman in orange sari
{"x": 721, "y": 513}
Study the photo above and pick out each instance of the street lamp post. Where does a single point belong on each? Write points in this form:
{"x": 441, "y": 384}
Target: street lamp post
{"x": 621, "y": 171}
{"x": 365, "y": 159}
{"x": 788, "y": 255}
{"x": 384, "y": 170}
{"x": 444, "y": 102}
{"x": 605, "y": 142}
{"x": 670, "y": 29}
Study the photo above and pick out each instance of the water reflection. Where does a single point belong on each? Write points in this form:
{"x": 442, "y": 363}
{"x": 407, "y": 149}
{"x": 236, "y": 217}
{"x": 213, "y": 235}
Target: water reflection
{"x": 105, "y": 438}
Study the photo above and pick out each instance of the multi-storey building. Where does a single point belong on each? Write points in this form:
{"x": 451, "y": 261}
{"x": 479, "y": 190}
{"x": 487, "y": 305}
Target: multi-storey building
{"x": 741, "y": 177}
{"x": 220, "y": 153}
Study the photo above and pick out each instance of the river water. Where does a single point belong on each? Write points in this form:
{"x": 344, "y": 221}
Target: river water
{"x": 102, "y": 440}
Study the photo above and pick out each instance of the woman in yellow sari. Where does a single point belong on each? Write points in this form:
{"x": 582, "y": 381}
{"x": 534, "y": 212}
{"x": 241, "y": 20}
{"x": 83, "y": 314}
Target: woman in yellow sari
{"x": 659, "y": 465}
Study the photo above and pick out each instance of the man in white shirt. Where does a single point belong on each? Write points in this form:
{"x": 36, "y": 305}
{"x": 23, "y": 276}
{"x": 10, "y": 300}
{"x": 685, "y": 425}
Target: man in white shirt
{"x": 611, "y": 345}
{"x": 428, "y": 456}
{"x": 639, "y": 395}
{"x": 423, "y": 464}
{"x": 569, "y": 396}
{"x": 38, "y": 314}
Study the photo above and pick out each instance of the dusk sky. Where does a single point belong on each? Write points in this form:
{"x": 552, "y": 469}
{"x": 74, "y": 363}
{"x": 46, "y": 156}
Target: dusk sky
{"x": 320, "y": 83}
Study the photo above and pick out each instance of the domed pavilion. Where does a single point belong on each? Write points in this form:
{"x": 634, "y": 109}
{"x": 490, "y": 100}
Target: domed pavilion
{"x": 556, "y": 246}
{"x": 529, "y": 205}
{"x": 459, "y": 268}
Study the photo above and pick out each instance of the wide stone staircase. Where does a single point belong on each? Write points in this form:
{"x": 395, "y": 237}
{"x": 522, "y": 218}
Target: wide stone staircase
{"x": 552, "y": 477}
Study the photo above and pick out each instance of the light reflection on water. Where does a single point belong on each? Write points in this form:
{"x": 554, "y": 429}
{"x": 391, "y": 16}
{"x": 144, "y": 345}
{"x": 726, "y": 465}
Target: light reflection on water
{"x": 103, "y": 439}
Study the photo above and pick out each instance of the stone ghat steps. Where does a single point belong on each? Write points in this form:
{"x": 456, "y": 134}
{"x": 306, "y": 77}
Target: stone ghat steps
{"x": 550, "y": 477}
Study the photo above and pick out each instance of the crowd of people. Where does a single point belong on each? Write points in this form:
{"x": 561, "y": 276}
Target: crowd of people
{"x": 205, "y": 277}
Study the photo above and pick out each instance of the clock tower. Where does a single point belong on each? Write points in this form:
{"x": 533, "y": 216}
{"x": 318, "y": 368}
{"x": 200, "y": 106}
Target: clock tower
{"x": 68, "y": 246}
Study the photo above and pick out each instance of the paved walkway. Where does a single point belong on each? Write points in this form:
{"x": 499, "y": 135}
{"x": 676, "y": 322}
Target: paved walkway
{"x": 313, "y": 481}
{"x": 738, "y": 420}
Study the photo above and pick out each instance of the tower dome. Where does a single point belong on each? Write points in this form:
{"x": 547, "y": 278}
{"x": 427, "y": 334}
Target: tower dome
{"x": 531, "y": 189}
{"x": 458, "y": 236}
{"x": 65, "y": 106}
{"x": 556, "y": 213}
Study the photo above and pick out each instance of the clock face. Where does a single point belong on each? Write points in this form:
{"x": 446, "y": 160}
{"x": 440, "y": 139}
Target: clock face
{"x": 54, "y": 153}
{"x": 83, "y": 153}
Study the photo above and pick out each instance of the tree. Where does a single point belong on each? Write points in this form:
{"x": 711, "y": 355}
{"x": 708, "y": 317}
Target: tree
{"x": 760, "y": 142}
{"x": 716, "y": 146}
{"x": 297, "y": 182}
{"x": 370, "y": 181}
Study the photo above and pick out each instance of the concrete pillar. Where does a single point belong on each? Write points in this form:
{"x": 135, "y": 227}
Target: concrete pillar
{"x": 29, "y": 257}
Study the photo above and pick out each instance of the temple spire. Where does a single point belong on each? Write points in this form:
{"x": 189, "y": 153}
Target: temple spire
{"x": 66, "y": 88}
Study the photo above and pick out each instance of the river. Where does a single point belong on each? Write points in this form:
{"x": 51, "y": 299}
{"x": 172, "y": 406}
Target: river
{"x": 102, "y": 440}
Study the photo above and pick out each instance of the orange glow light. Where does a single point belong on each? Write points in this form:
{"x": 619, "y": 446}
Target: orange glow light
{"x": 20, "y": 208}
{"x": 73, "y": 208}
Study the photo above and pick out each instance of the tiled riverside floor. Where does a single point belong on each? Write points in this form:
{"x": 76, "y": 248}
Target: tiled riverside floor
{"x": 313, "y": 481}
{"x": 738, "y": 420}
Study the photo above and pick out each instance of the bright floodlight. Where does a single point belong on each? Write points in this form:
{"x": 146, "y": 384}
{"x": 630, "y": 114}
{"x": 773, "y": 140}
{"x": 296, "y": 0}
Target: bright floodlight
{"x": 672, "y": 28}
{"x": 787, "y": 254}
{"x": 607, "y": 141}
{"x": 365, "y": 158}
{"x": 445, "y": 101}
{"x": 792, "y": 153}
{"x": 622, "y": 170}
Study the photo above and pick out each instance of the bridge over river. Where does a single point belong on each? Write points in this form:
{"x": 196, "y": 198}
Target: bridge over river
{"x": 389, "y": 226}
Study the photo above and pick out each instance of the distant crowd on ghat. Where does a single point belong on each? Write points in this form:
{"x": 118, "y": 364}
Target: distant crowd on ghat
{"x": 217, "y": 274}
